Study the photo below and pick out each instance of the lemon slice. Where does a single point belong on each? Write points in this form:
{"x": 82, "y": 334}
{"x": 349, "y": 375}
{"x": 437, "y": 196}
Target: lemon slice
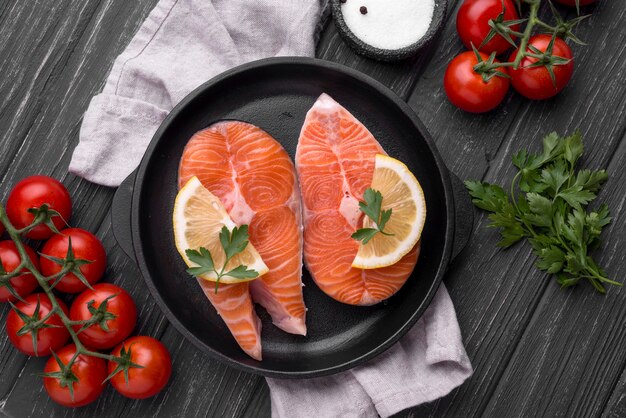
{"x": 403, "y": 194}
{"x": 199, "y": 217}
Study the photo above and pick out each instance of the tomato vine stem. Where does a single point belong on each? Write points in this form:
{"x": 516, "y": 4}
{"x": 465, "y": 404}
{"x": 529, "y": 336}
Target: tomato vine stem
{"x": 562, "y": 29}
{"x": 532, "y": 21}
{"x": 43, "y": 281}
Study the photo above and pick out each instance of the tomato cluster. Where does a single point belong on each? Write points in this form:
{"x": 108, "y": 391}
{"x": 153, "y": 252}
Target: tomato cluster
{"x": 477, "y": 83}
{"x": 102, "y": 315}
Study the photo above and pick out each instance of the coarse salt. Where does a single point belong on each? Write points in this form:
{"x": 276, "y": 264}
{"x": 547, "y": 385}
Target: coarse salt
{"x": 388, "y": 24}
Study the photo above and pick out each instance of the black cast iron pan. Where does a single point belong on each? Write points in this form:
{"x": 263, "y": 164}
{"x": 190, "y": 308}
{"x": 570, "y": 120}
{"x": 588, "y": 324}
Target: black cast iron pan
{"x": 275, "y": 95}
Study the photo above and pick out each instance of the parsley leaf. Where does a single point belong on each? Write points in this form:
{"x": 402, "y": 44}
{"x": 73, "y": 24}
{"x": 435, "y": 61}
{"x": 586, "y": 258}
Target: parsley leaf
{"x": 233, "y": 242}
{"x": 573, "y": 148}
{"x": 372, "y": 208}
{"x": 203, "y": 258}
{"x": 242, "y": 272}
{"x": 365, "y": 234}
{"x": 551, "y": 212}
{"x": 551, "y": 259}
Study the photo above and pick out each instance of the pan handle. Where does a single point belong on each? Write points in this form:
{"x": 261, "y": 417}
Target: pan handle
{"x": 121, "y": 213}
{"x": 463, "y": 215}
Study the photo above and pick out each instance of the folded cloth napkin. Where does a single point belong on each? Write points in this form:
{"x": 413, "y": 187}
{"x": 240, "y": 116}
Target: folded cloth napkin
{"x": 182, "y": 44}
{"x": 424, "y": 365}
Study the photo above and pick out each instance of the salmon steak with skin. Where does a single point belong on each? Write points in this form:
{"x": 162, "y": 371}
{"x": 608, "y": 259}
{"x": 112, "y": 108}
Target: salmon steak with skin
{"x": 335, "y": 161}
{"x": 254, "y": 178}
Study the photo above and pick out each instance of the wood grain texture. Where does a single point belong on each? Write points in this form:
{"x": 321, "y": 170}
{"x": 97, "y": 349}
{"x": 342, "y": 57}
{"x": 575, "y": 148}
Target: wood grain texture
{"x": 536, "y": 350}
{"x": 574, "y": 336}
{"x": 57, "y": 65}
{"x": 616, "y": 406}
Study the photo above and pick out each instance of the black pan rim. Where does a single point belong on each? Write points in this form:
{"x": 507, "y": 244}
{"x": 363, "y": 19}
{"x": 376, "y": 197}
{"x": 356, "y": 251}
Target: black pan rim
{"x": 292, "y": 61}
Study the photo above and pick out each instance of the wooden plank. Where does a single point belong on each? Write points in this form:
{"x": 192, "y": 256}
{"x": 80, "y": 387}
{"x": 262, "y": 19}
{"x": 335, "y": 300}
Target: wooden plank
{"x": 498, "y": 294}
{"x": 30, "y": 67}
{"x": 399, "y": 77}
{"x": 49, "y": 81}
{"x": 43, "y": 112}
{"x": 45, "y": 105}
{"x": 616, "y": 406}
{"x": 571, "y": 354}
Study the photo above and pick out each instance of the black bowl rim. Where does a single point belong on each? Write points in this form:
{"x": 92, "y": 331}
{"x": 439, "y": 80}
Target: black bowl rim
{"x": 380, "y": 54}
{"x": 259, "y": 369}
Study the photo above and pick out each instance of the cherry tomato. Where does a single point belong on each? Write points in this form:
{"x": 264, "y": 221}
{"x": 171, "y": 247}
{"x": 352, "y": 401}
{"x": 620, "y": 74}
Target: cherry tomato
{"x": 466, "y": 88}
{"x": 48, "y": 339}
{"x": 573, "y": 2}
{"x": 31, "y": 193}
{"x": 23, "y": 284}
{"x": 535, "y": 83}
{"x": 472, "y": 23}
{"x": 119, "y": 317}
{"x": 149, "y": 380}
{"x": 1, "y": 228}
{"x": 91, "y": 372}
{"x": 85, "y": 246}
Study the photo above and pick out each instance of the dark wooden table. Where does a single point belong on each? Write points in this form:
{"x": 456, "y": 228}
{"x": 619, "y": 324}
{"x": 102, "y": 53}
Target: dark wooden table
{"x": 537, "y": 350}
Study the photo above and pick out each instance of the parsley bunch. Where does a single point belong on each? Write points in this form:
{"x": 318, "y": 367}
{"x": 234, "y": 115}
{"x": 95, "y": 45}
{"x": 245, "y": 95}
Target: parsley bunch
{"x": 552, "y": 210}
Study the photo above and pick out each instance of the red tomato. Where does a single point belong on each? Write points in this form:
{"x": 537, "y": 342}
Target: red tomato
{"x": 573, "y": 2}
{"x": 1, "y": 228}
{"x": 466, "y": 88}
{"x": 120, "y": 309}
{"x": 48, "y": 339}
{"x": 149, "y": 380}
{"x": 91, "y": 372}
{"x": 23, "y": 284}
{"x": 32, "y": 192}
{"x": 86, "y": 247}
{"x": 472, "y": 23}
{"x": 535, "y": 83}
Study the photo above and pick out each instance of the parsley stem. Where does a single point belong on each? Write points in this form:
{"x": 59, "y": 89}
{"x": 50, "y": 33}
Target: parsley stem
{"x": 221, "y": 274}
{"x": 560, "y": 238}
{"x": 595, "y": 275}
{"x": 513, "y": 183}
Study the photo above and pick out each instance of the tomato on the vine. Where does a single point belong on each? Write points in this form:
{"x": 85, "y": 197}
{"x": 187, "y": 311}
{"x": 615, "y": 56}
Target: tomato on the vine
{"x": 113, "y": 310}
{"x": 85, "y": 246}
{"x": 24, "y": 333}
{"x": 535, "y": 82}
{"x": 573, "y": 2}
{"x": 472, "y": 24}
{"x": 1, "y": 228}
{"x": 23, "y": 284}
{"x": 468, "y": 90}
{"x": 146, "y": 381}
{"x": 85, "y": 376}
{"x": 30, "y": 194}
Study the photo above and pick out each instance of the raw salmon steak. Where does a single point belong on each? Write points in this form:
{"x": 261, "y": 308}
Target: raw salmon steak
{"x": 253, "y": 176}
{"x": 335, "y": 161}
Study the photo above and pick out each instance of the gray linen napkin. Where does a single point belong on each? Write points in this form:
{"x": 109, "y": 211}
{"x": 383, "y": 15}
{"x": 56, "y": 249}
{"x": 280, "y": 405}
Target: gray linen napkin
{"x": 182, "y": 44}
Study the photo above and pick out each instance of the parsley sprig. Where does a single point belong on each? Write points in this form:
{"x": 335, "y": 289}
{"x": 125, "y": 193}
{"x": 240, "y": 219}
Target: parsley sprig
{"x": 552, "y": 210}
{"x": 233, "y": 243}
{"x": 372, "y": 208}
